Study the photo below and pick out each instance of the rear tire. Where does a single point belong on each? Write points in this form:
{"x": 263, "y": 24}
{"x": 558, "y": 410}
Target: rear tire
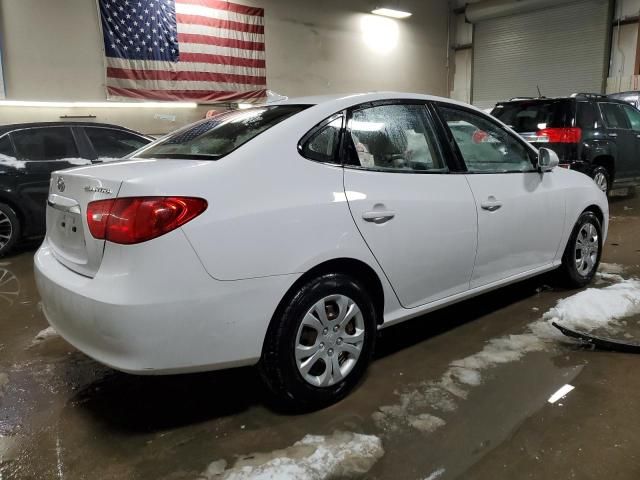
{"x": 319, "y": 343}
{"x": 583, "y": 251}
{"x": 9, "y": 229}
{"x": 602, "y": 178}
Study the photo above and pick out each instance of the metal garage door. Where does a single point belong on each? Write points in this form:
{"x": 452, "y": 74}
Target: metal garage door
{"x": 562, "y": 49}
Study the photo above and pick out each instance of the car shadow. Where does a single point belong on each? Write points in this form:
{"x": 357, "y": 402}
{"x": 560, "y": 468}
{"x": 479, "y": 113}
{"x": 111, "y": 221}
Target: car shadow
{"x": 153, "y": 403}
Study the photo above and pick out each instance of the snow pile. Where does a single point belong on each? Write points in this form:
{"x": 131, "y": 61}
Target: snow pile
{"x": 315, "y": 457}
{"x": 597, "y": 307}
{"x": 437, "y": 474}
{"x": 587, "y": 310}
{"x": 11, "y": 162}
{"x": 45, "y": 334}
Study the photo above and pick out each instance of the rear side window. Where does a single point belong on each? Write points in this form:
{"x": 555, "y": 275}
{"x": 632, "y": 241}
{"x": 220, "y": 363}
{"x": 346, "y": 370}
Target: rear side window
{"x": 323, "y": 144}
{"x": 613, "y": 115}
{"x": 215, "y": 137}
{"x": 48, "y": 143}
{"x": 587, "y": 116}
{"x": 110, "y": 143}
{"x": 534, "y": 115}
{"x": 633, "y": 116}
{"x": 5, "y": 147}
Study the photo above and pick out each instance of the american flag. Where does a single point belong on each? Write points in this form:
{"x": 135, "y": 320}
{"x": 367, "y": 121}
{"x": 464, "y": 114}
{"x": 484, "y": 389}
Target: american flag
{"x": 196, "y": 50}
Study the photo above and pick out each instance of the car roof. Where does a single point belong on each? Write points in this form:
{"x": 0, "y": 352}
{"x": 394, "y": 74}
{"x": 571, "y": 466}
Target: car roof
{"x": 16, "y": 126}
{"x": 337, "y": 102}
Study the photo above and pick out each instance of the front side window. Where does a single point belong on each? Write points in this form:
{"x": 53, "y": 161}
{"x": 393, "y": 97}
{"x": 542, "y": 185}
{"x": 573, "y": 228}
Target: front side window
{"x": 633, "y": 116}
{"x": 217, "y": 136}
{"x": 484, "y": 145}
{"x": 47, "y": 143}
{"x": 393, "y": 137}
{"x": 110, "y": 143}
{"x": 613, "y": 115}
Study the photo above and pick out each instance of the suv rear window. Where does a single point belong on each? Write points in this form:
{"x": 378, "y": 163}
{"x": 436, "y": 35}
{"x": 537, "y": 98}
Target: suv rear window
{"x": 215, "y": 137}
{"x": 534, "y": 115}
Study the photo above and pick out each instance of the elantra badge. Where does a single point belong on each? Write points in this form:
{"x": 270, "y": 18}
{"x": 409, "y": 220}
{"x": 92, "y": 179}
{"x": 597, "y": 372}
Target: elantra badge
{"x": 61, "y": 185}
{"x": 89, "y": 188}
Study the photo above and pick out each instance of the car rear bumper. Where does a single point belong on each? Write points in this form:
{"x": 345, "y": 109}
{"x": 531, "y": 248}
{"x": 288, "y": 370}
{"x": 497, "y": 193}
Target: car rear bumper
{"x": 170, "y": 317}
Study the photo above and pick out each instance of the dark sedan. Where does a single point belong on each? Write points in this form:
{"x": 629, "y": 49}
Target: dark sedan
{"x": 30, "y": 152}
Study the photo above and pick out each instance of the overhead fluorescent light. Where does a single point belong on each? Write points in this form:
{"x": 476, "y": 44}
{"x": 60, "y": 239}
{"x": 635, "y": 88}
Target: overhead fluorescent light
{"x": 156, "y": 105}
{"x": 391, "y": 12}
{"x": 562, "y": 391}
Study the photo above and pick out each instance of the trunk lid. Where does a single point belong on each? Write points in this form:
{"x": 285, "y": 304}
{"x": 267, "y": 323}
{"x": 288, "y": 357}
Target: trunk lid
{"x": 72, "y": 190}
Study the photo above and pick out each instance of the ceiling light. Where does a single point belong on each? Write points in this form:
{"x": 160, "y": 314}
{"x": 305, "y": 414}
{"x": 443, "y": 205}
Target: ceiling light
{"x": 158, "y": 105}
{"x": 391, "y": 12}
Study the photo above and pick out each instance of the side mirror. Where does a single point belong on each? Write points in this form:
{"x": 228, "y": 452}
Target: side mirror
{"x": 547, "y": 160}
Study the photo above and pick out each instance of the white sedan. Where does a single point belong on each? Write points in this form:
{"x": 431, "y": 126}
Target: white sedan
{"x": 286, "y": 235}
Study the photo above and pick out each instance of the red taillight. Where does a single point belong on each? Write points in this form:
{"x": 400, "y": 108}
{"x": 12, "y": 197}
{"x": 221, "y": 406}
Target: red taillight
{"x": 561, "y": 135}
{"x": 131, "y": 220}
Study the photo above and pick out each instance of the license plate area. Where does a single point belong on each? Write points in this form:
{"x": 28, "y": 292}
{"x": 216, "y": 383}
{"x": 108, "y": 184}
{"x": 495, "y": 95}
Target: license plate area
{"x": 66, "y": 234}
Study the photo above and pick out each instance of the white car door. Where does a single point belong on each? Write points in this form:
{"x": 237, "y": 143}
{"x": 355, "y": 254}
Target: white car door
{"x": 521, "y": 212}
{"x": 418, "y": 219}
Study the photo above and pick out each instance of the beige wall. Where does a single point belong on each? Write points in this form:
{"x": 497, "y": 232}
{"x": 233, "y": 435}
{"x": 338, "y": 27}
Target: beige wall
{"x": 53, "y": 51}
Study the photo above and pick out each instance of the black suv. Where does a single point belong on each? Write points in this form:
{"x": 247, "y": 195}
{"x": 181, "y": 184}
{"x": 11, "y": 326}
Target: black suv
{"x": 30, "y": 152}
{"x": 591, "y": 133}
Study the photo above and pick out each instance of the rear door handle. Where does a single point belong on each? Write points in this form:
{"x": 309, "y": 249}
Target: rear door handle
{"x": 491, "y": 204}
{"x": 378, "y": 216}
{"x": 613, "y": 135}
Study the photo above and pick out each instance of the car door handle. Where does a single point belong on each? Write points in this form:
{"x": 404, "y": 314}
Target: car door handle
{"x": 491, "y": 205}
{"x": 613, "y": 135}
{"x": 378, "y": 216}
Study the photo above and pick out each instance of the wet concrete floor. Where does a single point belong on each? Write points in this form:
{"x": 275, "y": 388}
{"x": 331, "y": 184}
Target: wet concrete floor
{"x": 62, "y": 415}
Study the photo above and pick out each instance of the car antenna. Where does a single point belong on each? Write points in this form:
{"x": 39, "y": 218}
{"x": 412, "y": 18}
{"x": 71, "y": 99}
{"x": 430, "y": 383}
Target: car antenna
{"x": 539, "y": 94}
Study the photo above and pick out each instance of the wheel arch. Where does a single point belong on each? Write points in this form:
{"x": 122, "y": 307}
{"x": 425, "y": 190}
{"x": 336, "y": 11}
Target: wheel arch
{"x": 607, "y": 161}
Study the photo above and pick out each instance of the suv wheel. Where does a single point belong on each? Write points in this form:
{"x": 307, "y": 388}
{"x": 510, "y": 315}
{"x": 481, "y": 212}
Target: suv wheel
{"x": 321, "y": 343}
{"x": 582, "y": 254}
{"x": 602, "y": 178}
{"x": 9, "y": 228}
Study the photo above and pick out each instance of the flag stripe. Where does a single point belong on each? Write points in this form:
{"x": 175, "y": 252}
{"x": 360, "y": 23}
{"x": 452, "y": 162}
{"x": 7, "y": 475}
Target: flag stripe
{"x": 180, "y": 85}
{"x": 185, "y": 67}
{"x": 223, "y": 5}
{"x": 223, "y": 51}
{"x": 202, "y": 11}
{"x": 181, "y": 76}
{"x": 219, "y": 23}
{"x": 219, "y": 41}
{"x": 225, "y": 60}
{"x": 219, "y": 32}
{"x": 225, "y": 96}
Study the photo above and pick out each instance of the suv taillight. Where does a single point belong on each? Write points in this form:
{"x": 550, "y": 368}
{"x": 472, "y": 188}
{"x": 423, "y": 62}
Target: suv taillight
{"x": 560, "y": 135}
{"x": 132, "y": 220}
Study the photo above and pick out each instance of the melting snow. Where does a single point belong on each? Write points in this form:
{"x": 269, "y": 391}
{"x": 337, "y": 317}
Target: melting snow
{"x": 437, "y": 474}
{"x": 12, "y": 162}
{"x": 45, "y": 334}
{"x": 587, "y": 310}
{"x": 315, "y": 457}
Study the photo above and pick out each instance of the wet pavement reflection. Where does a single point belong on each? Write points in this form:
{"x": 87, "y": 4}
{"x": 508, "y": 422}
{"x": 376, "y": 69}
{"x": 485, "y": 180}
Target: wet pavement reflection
{"x": 62, "y": 415}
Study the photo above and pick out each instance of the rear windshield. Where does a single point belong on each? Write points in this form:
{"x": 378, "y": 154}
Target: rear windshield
{"x": 215, "y": 137}
{"x": 530, "y": 116}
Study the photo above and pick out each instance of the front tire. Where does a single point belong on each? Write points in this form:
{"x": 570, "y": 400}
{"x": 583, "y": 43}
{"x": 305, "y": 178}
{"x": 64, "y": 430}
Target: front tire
{"x": 582, "y": 255}
{"x": 9, "y": 228}
{"x": 320, "y": 342}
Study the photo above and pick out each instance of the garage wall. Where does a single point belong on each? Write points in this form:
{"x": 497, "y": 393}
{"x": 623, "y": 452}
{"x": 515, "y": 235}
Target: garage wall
{"x": 53, "y": 51}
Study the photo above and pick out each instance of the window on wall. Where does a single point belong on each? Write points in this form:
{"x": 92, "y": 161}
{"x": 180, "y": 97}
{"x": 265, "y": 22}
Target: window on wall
{"x": 485, "y": 146}
{"x": 393, "y": 137}
{"x": 49, "y": 143}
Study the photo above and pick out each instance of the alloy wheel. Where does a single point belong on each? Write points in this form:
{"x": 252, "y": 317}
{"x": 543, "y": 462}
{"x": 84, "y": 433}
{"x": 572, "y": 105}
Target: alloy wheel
{"x": 6, "y": 229}
{"x": 586, "y": 249}
{"x": 329, "y": 340}
{"x": 601, "y": 181}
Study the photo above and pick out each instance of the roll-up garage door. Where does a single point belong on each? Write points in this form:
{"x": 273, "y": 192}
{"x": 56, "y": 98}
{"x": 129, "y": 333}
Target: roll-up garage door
{"x": 561, "y": 49}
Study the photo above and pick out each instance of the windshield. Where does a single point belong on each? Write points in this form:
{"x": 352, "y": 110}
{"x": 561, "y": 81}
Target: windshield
{"x": 531, "y": 116}
{"x": 215, "y": 137}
